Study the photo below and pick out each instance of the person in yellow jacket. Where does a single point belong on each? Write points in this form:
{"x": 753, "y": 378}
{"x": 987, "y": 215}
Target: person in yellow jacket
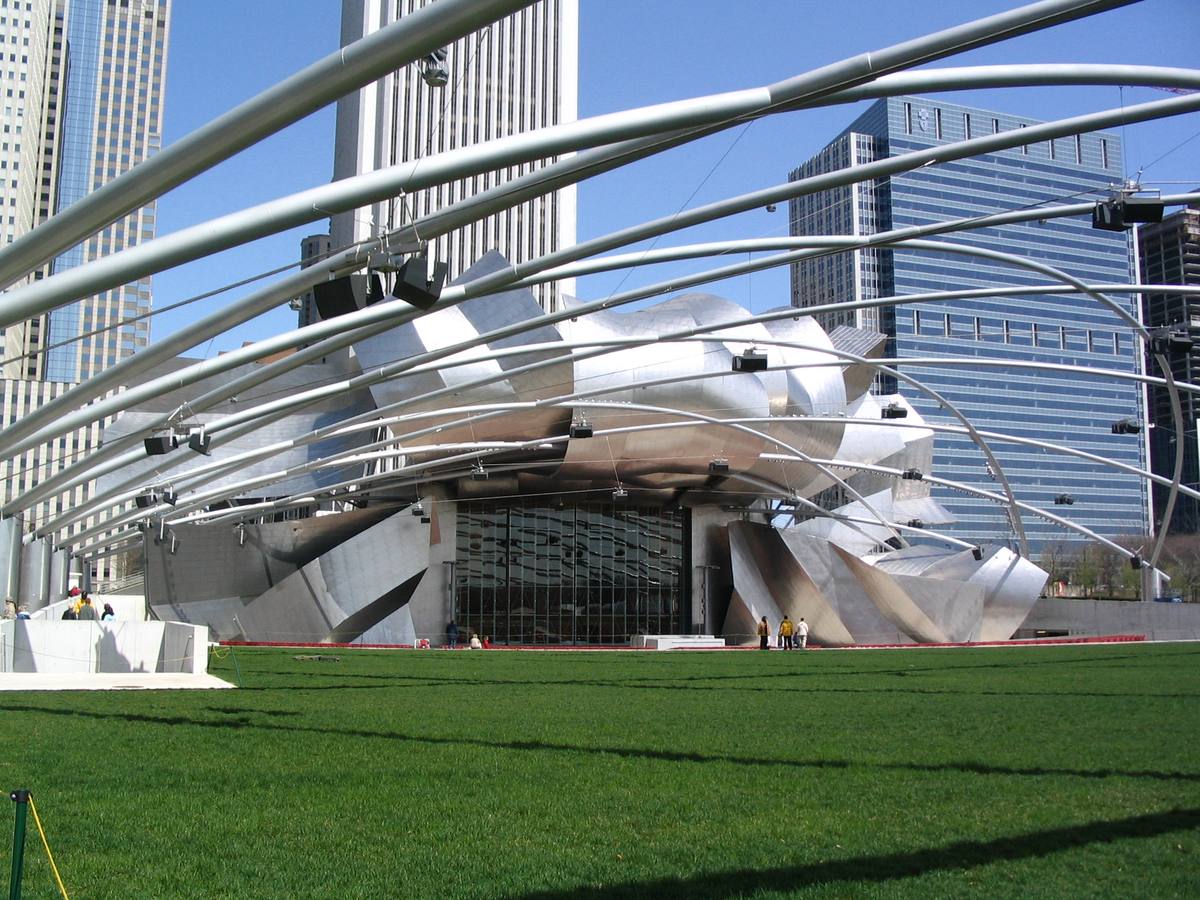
{"x": 764, "y": 633}
{"x": 785, "y": 633}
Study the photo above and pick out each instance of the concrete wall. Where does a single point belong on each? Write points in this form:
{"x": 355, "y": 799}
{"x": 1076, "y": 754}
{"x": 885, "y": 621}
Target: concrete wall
{"x": 75, "y": 647}
{"x": 1085, "y": 618}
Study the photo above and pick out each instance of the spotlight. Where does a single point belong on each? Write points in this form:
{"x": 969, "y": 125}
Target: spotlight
{"x": 433, "y": 69}
{"x": 1163, "y": 340}
{"x": 620, "y": 494}
{"x": 912, "y": 475}
{"x": 1064, "y": 500}
{"x": 146, "y": 500}
{"x": 418, "y": 282}
{"x": 1135, "y": 561}
{"x": 346, "y": 294}
{"x": 581, "y": 429}
{"x": 893, "y": 411}
{"x": 159, "y": 444}
{"x": 169, "y": 496}
{"x": 915, "y": 523}
{"x": 719, "y": 466}
{"x": 977, "y": 552}
{"x": 751, "y": 361}
{"x": 479, "y": 473}
{"x": 1107, "y": 216}
{"x": 1118, "y": 214}
{"x": 1126, "y": 426}
{"x": 200, "y": 442}
{"x": 418, "y": 508}
{"x": 425, "y": 520}
{"x": 771, "y": 207}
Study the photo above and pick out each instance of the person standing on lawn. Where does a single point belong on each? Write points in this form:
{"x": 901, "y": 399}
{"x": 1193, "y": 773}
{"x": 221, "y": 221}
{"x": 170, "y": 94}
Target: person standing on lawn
{"x": 452, "y": 635}
{"x": 802, "y": 634}
{"x": 785, "y": 633}
{"x": 764, "y": 633}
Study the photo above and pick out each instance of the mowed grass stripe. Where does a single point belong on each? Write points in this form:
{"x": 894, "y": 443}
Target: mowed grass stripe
{"x": 1003, "y": 772}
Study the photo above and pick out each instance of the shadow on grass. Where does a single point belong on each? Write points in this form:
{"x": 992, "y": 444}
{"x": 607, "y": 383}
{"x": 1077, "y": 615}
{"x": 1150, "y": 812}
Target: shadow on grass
{"x": 687, "y": 683}
{"x": 960, "y": 855}
{"x": 646, "y": 753}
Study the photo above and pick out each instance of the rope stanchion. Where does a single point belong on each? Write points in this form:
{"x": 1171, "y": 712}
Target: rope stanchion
{"x": 24, "y": 800}
{"x": 21, "y": 798}
{"x": 50, "y": 856}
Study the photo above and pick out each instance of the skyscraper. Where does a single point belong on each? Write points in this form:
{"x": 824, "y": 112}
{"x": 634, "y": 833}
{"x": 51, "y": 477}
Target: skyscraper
{"x": 83, "y": 103}
{"x": 1039, "y": 404}
{"x": 517, "y": 75}
{"x": 1170, "y": 254}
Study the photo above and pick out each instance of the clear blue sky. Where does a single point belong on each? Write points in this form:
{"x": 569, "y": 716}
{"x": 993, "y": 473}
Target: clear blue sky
{"x": 632, "y": 53}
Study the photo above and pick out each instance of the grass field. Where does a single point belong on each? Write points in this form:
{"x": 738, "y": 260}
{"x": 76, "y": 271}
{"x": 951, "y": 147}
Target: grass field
{"x": 1071, "y": 771}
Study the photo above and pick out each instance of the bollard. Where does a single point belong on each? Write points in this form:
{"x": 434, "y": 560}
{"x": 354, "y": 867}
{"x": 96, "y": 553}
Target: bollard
{"x": 21, "y": 798}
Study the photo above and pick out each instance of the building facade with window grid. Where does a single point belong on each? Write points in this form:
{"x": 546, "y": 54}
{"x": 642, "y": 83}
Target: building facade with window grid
{"x": 1169, "y": 252}
{"x": 1060, "y": 407}
{"x": 516, "y": 75}
{"x": 90, "y": 75}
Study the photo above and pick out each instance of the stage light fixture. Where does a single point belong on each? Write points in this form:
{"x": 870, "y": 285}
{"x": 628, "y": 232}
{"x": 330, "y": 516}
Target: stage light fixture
{"x": 893, "y": 411}
{"x": 912, "y": 475}
{"x": 751, "y": 361}
{"x": 581, "y": 429}
{"x": 159, "y": 444}
{"x": 419, "y": 282}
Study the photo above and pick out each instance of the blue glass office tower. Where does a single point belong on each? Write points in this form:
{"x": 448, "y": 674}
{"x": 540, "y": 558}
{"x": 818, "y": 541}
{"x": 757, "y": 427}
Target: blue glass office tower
{"x": 1059, "y": 407}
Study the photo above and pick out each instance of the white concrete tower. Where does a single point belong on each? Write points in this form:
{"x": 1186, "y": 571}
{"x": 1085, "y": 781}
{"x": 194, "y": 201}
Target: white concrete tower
{"x": 519, "y": 74}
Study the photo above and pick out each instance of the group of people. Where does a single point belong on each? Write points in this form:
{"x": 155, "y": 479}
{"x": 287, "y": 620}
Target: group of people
{"x": 475, "y": 643}
{"x": 81, "y": 608}
{"x": 792, "y": 635}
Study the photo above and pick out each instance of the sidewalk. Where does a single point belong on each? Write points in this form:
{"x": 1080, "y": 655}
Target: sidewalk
{"x": 108, "y": 681}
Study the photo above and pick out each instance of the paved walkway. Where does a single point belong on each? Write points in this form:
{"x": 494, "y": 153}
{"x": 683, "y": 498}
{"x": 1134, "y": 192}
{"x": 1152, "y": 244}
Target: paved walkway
{"x": 108, "y": 681}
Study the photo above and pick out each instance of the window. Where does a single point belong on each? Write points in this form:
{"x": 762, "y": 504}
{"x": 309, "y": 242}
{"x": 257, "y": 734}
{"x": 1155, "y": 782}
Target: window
{"x": 908, "y": 118}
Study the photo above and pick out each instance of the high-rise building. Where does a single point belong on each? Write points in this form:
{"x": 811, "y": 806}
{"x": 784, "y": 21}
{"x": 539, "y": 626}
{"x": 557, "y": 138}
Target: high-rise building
{"x": 516, "y": 75}
{"x": 1170, "y": 254}
{"x": 1068, "y": 329}
{"x": 83, "y": 104}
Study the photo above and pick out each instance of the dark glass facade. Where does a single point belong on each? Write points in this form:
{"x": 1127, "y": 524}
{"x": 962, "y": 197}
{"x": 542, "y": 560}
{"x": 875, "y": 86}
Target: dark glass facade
{"x": 585, "y": 574}
{"x": 1061, "y": 407}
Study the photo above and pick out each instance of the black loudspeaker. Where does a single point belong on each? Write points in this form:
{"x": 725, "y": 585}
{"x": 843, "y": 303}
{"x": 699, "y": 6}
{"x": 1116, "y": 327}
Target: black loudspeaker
{"x": 160, "y": 444}
{"x": 347, "y": 294}
{"x": 419, "y": 283}
{"x": 146, "y": 500}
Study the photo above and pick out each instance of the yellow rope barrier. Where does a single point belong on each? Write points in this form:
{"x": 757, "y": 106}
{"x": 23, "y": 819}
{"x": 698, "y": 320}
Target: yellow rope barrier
{"x": 46, "y": 844}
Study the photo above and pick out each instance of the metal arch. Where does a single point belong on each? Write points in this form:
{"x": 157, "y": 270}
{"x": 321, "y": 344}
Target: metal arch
{"x": 821, "y": 243}
{"x": 33, "y": 495}
{"x": 288, "y": 101}
{"x": 301, "y": 281}
{"x": 209, "y": 144}
{"x": 338, "y": 459}
{"x": 1064, "y": 449}
{"x": 841, "y": 177}
{"x": 1045, "y": 514}
{"x": 372, "y": 417}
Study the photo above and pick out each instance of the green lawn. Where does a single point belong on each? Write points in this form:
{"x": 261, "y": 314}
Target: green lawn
{"x": 992, "y": 772}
